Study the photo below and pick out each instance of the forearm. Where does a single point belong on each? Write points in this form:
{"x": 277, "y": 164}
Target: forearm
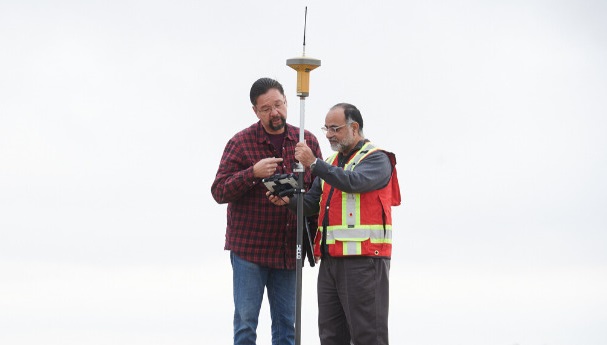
{"x": 230, "y": 186}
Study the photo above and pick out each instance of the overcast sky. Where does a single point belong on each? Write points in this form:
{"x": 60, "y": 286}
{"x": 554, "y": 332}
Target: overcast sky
{"x": 114, "y": 115}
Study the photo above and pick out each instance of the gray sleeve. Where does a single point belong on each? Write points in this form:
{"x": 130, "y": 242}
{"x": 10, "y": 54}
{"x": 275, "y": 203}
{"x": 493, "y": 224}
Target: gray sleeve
{"x": 372, "y": 173}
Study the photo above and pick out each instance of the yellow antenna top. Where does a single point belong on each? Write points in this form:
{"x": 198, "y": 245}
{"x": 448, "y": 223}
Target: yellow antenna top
{"x": 303, "y": 65}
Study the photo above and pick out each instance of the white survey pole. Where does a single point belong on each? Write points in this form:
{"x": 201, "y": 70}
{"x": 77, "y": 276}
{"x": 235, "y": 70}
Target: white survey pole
{"x": 303, "y": 65}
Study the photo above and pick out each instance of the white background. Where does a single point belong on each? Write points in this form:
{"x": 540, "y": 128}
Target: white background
{"x": 114, "y": 115}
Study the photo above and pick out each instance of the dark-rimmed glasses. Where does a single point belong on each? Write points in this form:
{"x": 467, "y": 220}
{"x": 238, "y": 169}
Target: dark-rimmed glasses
{"x": 267, "y": 109}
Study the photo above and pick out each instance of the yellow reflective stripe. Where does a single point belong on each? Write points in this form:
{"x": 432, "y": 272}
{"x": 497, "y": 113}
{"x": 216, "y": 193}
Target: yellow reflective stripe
{"x": 364, "y": 151}
{"x": 351, "y": 201}
{"x": 330, "y": 161}
{"x": 331, "y": 158}
{"x": 352, "y": 248}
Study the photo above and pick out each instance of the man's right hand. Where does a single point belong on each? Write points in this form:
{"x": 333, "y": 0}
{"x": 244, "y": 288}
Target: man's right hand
{"x": 304, "y": 154}
{"x": 266, "y": 167}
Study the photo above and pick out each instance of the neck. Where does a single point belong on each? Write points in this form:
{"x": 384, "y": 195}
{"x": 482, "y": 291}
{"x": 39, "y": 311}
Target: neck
{"x": 348, "y": 150}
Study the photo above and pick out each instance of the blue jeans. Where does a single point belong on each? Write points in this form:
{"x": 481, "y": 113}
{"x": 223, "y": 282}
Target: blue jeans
{"x": 249, "y": 281}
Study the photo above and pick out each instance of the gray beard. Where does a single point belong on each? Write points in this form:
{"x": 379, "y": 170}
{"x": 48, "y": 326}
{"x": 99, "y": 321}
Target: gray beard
{"x": 340, "y": 147}
{"x": 337, "y": 147}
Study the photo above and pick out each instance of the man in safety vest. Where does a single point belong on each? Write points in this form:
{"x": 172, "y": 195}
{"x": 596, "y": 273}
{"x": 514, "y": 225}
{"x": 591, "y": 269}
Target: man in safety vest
{"x": 353, "y": 194}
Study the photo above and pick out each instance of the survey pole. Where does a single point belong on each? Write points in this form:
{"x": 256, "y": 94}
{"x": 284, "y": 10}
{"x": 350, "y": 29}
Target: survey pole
{"x": 303, "y": 65}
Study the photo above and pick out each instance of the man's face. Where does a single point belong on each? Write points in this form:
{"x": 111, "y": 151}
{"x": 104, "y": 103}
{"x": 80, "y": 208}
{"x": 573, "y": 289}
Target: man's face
{"x": 340, "y": 134}
{"x": 271, "y": 109}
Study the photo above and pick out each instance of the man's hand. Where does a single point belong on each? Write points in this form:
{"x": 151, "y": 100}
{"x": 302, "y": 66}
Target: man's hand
{"x": 266, "y": 167}
{"x": 277, "y": 200}
{"x": 304, "y": 154}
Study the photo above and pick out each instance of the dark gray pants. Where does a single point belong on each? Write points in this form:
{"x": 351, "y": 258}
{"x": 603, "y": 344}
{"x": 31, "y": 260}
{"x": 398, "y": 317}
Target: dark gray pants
{"x": 353, "y": 299}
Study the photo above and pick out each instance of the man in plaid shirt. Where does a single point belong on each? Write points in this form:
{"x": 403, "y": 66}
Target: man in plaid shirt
{"x": 261, "y": 237}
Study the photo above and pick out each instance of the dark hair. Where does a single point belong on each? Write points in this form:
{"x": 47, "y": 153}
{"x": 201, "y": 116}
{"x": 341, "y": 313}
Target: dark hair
{"x": 352, "y": 113}
{"x": 262, "y": 86}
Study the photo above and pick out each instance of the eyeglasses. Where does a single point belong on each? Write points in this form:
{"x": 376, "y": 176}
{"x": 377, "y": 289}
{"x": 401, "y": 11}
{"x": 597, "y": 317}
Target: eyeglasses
{"x": 332, "y": 129}
{"x": 267, "y": 109}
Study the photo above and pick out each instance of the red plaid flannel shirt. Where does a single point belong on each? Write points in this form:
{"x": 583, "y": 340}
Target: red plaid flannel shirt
{"x": 257, "y": 230}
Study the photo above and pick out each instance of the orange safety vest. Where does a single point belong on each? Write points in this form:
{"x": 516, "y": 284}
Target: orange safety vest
{"x": 358, "y": 224}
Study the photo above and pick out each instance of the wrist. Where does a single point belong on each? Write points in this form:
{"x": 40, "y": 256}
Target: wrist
{"x": 313, "y": 164}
